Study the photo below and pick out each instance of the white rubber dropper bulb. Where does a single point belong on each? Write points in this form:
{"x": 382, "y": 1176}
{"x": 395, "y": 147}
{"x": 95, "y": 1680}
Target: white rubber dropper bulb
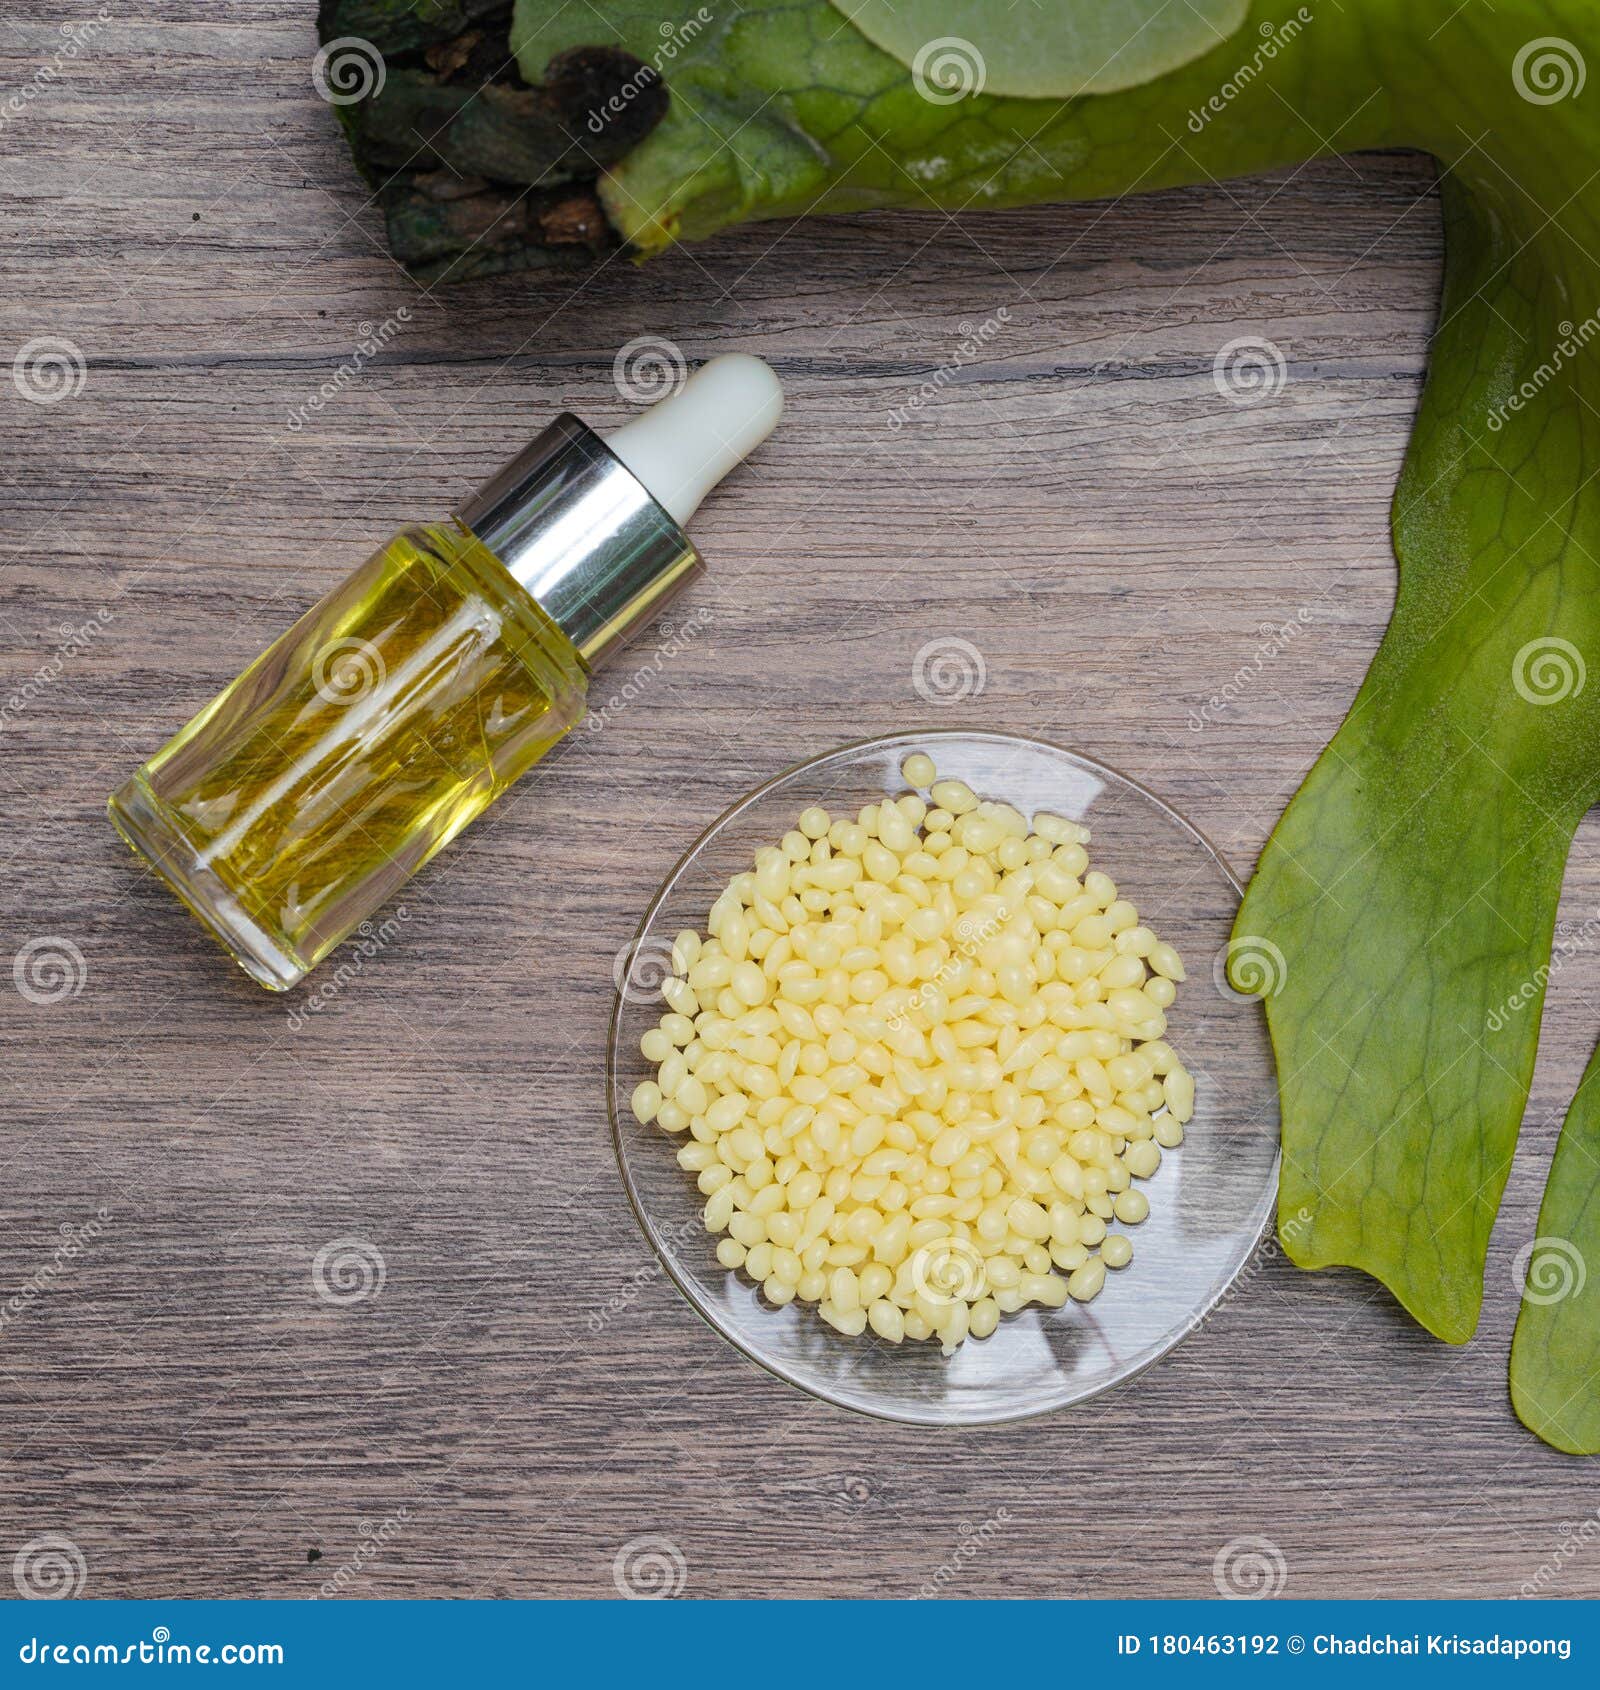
{"x": 683, "y": 446}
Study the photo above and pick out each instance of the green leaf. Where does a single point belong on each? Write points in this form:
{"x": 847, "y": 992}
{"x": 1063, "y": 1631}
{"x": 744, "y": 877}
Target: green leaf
{"x": 1412, "y": 884}
{"x": 1555, "y": 1356}
{"x": 1056, "y": 52}
{"x": 781, "y": 109}
{"x": 1411, "y": 887}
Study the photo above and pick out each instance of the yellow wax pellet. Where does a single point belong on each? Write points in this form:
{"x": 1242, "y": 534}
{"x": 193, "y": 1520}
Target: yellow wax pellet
{"x": 1179, "y": 1089}
{"x": 918, "y": 1055}
{"x": 1142, "y": 1158}
{"x": 1085, "y": 1283}
{"x": 1165, "y": 961}
{"x": 1168, "y": 1132}
{"x": 953, "y": 796}
{"x": 1131, "y": 1207}
{"x": 886, "y": 1319}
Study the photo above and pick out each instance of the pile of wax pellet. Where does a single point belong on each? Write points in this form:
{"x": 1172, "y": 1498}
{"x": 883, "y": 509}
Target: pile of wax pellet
{"x": 919, "y": 1058}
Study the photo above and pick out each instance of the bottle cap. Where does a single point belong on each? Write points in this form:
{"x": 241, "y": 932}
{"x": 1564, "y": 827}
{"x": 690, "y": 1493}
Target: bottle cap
{"x": 593, "y": 529}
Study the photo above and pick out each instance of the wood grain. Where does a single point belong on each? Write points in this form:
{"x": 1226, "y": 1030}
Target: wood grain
{"x": 1078, "y": 501}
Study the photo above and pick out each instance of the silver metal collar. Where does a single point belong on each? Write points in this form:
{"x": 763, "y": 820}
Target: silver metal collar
{"x": 580, "y": 532}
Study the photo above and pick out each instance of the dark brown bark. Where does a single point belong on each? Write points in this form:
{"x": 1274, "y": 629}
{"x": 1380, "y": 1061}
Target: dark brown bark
{"x": 477, "y": 171}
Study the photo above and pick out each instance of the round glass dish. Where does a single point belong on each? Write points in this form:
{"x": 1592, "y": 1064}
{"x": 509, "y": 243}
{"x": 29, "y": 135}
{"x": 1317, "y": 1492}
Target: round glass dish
{"x": 1208, "y": 1201}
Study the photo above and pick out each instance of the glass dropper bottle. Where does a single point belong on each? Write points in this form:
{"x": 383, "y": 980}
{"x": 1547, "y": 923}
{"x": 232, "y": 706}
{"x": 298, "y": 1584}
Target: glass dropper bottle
{"x": 392, "y": 713}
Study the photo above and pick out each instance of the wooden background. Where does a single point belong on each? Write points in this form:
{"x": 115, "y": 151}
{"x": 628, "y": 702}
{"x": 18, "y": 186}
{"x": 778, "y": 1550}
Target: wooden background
{"x": 1079, "y": 502}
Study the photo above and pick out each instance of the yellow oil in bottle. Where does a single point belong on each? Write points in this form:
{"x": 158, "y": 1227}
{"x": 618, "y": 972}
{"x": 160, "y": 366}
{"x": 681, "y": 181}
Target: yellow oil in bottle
{"x": 308, "y": 792}
{"x": 354, "y": 748}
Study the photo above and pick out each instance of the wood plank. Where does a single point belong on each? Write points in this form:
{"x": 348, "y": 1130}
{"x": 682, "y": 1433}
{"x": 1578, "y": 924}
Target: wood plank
{"x": 1078, "y": 501}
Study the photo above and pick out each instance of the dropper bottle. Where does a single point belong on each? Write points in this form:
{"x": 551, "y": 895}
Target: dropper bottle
{"x": 391, "y": 714}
